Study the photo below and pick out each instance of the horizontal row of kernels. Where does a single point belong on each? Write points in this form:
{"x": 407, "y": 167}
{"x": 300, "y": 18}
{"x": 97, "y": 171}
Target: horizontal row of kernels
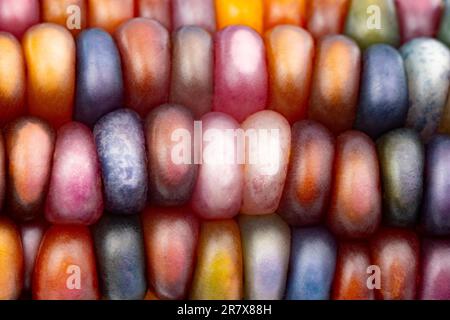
{"x": 236, "y": 73}
{"x": 170, "y": 254}
{"x": 124, "y": 163}
{"x": 367, "y": 21}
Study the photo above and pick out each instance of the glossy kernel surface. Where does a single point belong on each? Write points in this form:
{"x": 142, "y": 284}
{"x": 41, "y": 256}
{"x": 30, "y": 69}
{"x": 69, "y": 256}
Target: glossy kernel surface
{"x": 119, "y": 137}
{"x": 335, "y": 84}
{"x": 427, "y": 65}
{"x": 312, "y": 264}
{"x": 119, "y": 248}
{"x": 159, "y": 10}
{"x": 30, "y": 144}
{"x": 419, "y": 18}
{"x": 397, "y": 253}
{"x": 75, "y": 190}
{"x": 240, "y": 12}
{"x": 109, "y": 14}
{"x": 266, "y": 162}
{"x": 240, "y": 72}
{"x": 308, "y": 183}
{"x": 12, "y": 79}
{"x": 172, "y": 171}
{"x": 16, "y": 16}
{"x": 327, "y": 17}
{"x": 279, "y": 12}
{"x": 171, "y": 236}
{"x": 65, "y": 267}
{"x": 436, "y": 204}
{"x": 100, "y": 87}
{"x": 266, "y": 250}
{"x": 290, "y": 54}
{"x": 355, "y": 208}
{"x": 11, "y": 261}
{"x": 219, "y": 271}
{"x": 50, "y": 59}
{"x": 144, "y": 47}
{"x": 383, "y": 95}
{"x": 220, "y": 154}
{"x": 350, "y": 280}
{"x": 200, "y": 13}
{"x": 373, "y": 21}
{"x": 67, "y": 13}
{"x": 402, "y": 161}
{"x": 435, "y": 270}
{"x": 192, "y": 70}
